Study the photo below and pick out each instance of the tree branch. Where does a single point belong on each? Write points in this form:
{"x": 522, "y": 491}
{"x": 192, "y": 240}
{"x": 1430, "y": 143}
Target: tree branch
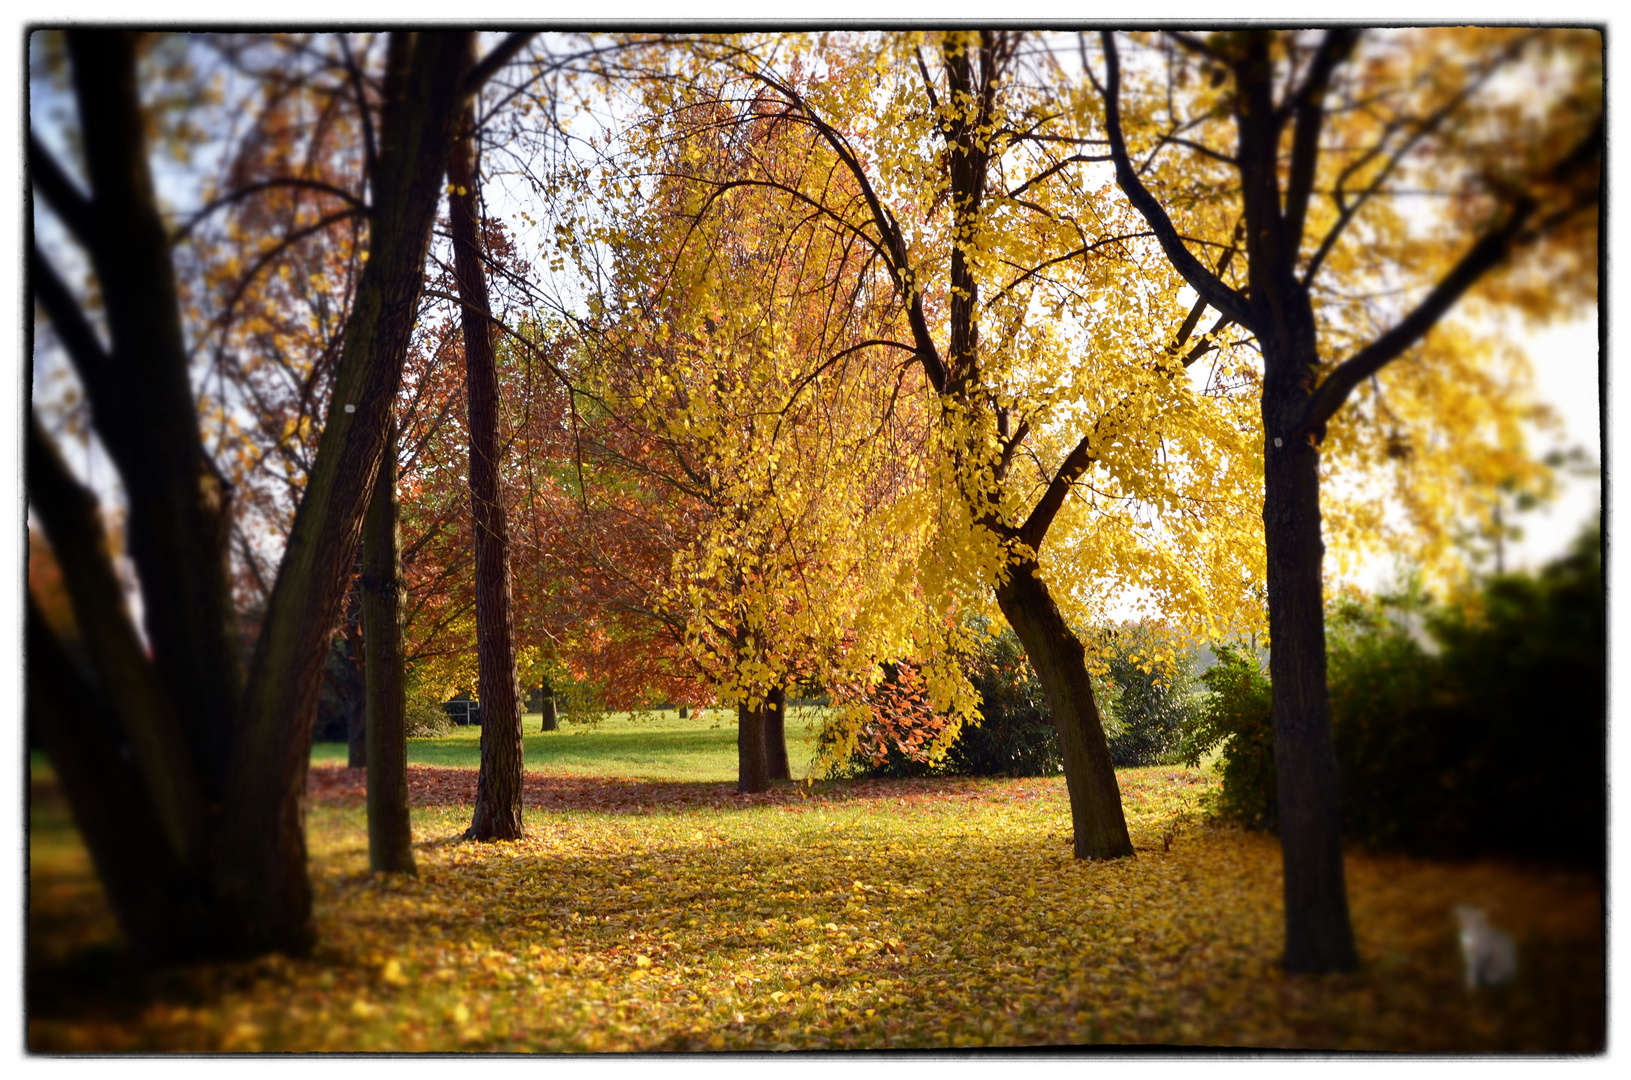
{"x": 1490, "y": 250}
{"x": 145, "y": 712}
{"x": 1309, "y": 106}
{"x": 74, "y": 208}
{"x": 1212, "y": 289}
{"x": 489, "y": 65}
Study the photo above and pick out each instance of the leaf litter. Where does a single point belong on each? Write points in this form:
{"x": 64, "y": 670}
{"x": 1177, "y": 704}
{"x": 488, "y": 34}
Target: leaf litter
{"x": 642, "y": 916}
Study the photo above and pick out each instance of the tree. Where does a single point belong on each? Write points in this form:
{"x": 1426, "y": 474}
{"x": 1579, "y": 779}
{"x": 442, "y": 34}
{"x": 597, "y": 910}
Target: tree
{"x": 962, "y": 196}
{"x": 1328, "y": 128}
{"x": 198, "y": 835}
{"x": 390, "y": 834}
{"x": 498, "y": 788}
{"x": 723, "y": 502}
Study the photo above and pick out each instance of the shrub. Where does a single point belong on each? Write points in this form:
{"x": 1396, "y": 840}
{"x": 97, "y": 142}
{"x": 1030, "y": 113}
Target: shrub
{"x": 1015, "y": 735}
{"x": 1146, "y": 700}
{"x": 1235, "y": 713}
{"x": 424, "y": 716}
{"x": 1528, "y": 673}
{"x": 1493, "y": 744}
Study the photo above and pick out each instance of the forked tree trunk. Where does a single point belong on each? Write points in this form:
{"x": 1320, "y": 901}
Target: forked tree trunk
{"x": 1061, "y": 668}
{"x": 776, "y": 735}
{"x": 390, "y": 833}
{"x": 498, "y": 786}
{"x": 752, "y": 765}
{"x": 190, "y": 792}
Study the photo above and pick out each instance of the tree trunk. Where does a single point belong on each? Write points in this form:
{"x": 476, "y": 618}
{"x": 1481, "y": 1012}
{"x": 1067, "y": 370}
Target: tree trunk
{"x": 498, "y": 786}
{"x": 178, "y": 517}
{"x": 752, "y": 766}
{"x": 776, "y": 735}
{"x": 356, "y": 711}
{"x": 1061, "y": 667}
{"x": 390, "y": 834}
{"x": 164, "y": 911}
{"x": 262, "y": 837}
{"x": 1319, "y": 932}
{"x": 189, "y": 783}
{"x": 546, "y": 707}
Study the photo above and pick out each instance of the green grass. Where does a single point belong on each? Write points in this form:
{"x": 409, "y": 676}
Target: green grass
{"x": 649, "y": 745}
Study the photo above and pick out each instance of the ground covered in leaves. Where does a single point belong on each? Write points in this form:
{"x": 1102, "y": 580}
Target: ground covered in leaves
{"x": 651, "y": 915}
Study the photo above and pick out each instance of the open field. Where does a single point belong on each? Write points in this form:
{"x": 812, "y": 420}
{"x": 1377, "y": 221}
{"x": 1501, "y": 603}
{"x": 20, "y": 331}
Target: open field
{"x": 651, "y": 911}
{"x": 650, "y": 744}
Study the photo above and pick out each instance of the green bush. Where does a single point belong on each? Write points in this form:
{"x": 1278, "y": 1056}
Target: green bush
{"x": 1235, "y": 713}
{"x": 1489, "y": 742}
{"x": 1015, "y": 735}
{"x": 1528, "y": 713}
{"x": 1146, "y": 705}
{"x": 424, "y": 716}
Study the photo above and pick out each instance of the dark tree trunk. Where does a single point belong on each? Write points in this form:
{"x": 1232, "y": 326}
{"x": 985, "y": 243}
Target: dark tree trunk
{"x": 225, "y": 796}
{"x": 498, "y": 786}
{"x": 546, "y": 707}
{"x": 1319, "y": 932}
{"x": 179, "y": 517}
{"x": 354, "y": 690}
{"x": 776, "y": 735}
{"x": 262, "y": 837}
{"x": 162, "y": 906}
{"x": 390, "y": 833}
{"x": 752, "y": 766}
{"x": 1061, "y": 667}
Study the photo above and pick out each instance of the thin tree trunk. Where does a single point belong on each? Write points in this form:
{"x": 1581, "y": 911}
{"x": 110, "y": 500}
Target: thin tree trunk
{"x": 498, "y": 786}
{"x": 776, "y": 735}
{"x": 356, "y": 711}
{"x": 1061, "y": 667}
{"x": 1319, "y": 931}
{"x": 752, "y": 766}
{"x": 390, "y": 833}
{"x": 546, "y": 707}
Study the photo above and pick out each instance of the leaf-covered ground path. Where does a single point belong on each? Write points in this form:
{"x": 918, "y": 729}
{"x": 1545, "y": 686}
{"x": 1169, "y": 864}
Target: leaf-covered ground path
{"x": 936, "y": 913}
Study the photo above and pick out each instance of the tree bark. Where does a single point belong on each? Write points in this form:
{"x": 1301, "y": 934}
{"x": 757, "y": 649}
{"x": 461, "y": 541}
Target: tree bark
{"x": 752, "y": 765}
{"x": 162, "y": 907}
{"x": 179, "y": 517}
{"x": 351, "y": 630}
{"x": 1061, "y": 667}
{"x": 498, "y": 786}
{"x": 775, "y": 735}
{"x": 1319, "y": 931}
{"x": 390, "y": 832}
{"x": 546, "y": 707}
{"x": 262, "y": 867}
{"x": 188, "y": 781}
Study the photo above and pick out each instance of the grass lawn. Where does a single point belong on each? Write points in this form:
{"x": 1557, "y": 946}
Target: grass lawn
{"x": 652, "y": 908}
{"x": 650, "y": 744}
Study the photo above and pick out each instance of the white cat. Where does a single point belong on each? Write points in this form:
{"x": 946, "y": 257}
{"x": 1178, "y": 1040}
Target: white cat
{"x": 1491, "y": 956}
